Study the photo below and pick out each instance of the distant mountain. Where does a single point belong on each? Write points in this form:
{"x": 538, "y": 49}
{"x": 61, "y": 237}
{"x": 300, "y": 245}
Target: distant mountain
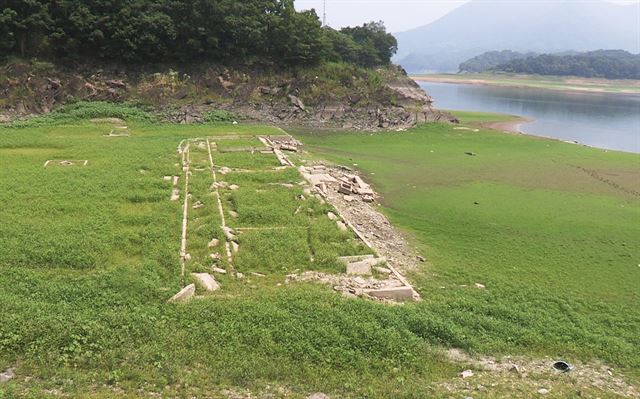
{"x": 541, "y": 26}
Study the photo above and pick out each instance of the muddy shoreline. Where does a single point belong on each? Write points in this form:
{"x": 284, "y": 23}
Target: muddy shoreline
{"x": 524, "y": 85}
{"x": 510, "y": 126}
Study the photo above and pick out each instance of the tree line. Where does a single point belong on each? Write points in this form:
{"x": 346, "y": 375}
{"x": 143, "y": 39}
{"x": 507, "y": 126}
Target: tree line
{"x": 142, "y": 31}
{"x": 491, "y": 59}
{"x": 609, "y": 64}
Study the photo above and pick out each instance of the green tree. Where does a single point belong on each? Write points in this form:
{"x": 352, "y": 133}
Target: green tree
{"x": 28, "y": 23}
{"x": 376, "y": 45}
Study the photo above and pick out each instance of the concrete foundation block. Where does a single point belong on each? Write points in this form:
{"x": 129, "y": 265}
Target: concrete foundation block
{"x": 396, "y": 294}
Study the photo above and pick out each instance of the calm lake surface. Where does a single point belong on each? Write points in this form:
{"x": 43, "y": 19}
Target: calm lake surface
{"x": 608, "y": 121}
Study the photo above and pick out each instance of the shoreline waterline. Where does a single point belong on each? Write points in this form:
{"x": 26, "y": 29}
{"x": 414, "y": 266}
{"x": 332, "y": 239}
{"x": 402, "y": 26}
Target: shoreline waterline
{"x": 523, "y": 84}
{"x": 610, "y": 122}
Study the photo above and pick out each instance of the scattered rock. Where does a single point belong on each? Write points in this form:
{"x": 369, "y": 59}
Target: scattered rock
{"x": 7, "y": 376}
{"x": 239, "y": 275}
{"x": 116, "y": 83}
{"x": 218, "y": 270}
{"x": 207, "y": 281}
{"x": 297, "y": 102}
{"x": 185, "y": 294}
{"x": 421, "y": 258}
{"x": 234, "y": 187}
{"x": 258, "y": 274}
{"x": 480, "y": 286}
{"x": 175, "y": 195}
{"x": 235, "y": 246}
{"x": 342, "y": 226}
{"x": 269, "y": 90}
{"x": 198, "y": 205}
{"x": 332, "y": 216}
{"x": 466, "y": 374}
{"x": 543, "y": 391}
{"x": 216, "y": 256}
{"x": 214, "y": 243}
{"x": 229, "y": 234}
{"x": 473, "y": 154}
{"x": 318, "y": 395}
{"x": 233, "y": 214}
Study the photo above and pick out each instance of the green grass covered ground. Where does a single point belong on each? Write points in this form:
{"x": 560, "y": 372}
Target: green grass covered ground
{"x": 551, "y": 229}
{"x": 90, "y": 254}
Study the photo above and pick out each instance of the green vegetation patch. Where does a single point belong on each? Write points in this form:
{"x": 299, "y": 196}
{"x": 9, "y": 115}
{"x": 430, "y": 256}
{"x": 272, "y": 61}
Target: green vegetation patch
{"x": 246, "y": 160}
{"x": 72, "y": 113}
{"x": 549, "y": 228}
{"x": 89, "y": 257}
{"x": 219, "y": 116}
{"x": 273, "y": 251}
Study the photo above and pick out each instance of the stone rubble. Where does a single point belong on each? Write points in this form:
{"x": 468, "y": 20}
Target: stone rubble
{"x": 347, "y": 191}
{"x": 350, "y": 285}
{"x": 355, "y": 207}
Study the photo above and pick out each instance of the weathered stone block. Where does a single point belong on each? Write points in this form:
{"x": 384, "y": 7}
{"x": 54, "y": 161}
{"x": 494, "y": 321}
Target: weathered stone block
{"x": 207, "y": 281}
{"x": 356, "y": 258}
{"x": 397, "y": 293}
{"x": 185, "y": 294}
{"x": 362, "y": 267}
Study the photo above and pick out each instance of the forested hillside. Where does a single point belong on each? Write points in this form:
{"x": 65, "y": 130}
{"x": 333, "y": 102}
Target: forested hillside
{"x": 610, "y": 64}
{"x": 491, "y": 59}
{"x": 142, "y": 31}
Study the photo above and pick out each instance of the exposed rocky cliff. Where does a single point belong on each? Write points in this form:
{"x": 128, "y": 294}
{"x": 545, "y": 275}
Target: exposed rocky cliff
{"x": 340, "y": 97}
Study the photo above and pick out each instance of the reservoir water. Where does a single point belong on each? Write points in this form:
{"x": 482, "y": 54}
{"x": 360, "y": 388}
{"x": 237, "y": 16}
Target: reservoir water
{"x": 610, "y": 121}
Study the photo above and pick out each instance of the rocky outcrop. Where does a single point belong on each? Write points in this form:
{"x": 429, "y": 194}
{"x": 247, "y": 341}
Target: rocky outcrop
{"x": 272, "y": 97}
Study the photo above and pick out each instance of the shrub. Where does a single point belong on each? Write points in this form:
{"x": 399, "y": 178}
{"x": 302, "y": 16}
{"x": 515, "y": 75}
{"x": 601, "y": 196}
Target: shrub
{"x": 219, "y": 116}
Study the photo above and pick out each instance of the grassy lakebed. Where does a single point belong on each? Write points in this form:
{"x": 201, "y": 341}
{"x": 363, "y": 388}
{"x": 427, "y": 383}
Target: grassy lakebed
{"x": 552, "y": 230}
{"x": 89, "y": 256}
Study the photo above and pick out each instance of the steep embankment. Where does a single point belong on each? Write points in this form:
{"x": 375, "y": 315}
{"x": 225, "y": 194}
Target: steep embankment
{"x": 331, "y": 95}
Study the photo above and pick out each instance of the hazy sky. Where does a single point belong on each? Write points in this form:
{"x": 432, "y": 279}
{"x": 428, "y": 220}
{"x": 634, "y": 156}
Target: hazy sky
{"x": 398, "y": 15}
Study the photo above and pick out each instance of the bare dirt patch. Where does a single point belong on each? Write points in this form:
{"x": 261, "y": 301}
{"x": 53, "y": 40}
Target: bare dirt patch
{"x": 512, "y": 126}
{"x": 531, "y": 377}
